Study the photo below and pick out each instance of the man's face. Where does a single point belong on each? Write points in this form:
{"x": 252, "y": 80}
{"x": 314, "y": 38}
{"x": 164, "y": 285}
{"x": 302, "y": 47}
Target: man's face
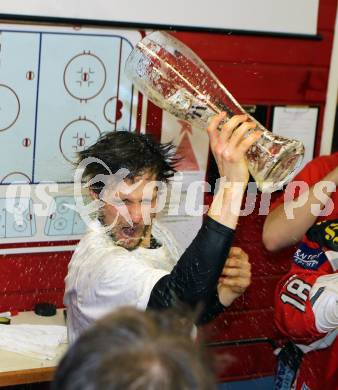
{"x": 125, "y": 209}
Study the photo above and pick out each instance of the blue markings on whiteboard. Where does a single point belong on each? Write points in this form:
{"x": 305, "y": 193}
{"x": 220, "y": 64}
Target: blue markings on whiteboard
{"x": 64, "y": 220}
{"x": 17, "y": 218}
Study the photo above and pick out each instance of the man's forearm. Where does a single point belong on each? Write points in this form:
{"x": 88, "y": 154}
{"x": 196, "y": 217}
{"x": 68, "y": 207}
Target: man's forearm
{"x": 226, "y": 205}
{"x": 288, "y": 223}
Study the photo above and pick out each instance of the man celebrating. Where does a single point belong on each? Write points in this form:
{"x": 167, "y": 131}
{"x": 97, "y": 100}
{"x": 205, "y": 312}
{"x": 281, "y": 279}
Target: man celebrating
{"x": 127, "y": 260}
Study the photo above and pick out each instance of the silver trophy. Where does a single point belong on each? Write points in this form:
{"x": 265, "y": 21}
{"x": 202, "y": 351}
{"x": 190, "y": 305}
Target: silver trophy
{"x": 174, "y": 78}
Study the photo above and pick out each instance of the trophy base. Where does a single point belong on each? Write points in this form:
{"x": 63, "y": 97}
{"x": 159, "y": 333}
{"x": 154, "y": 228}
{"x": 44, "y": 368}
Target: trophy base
{"x": 282, "y": 171}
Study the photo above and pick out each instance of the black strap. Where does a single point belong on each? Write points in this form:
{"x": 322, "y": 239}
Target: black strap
{"x": 289, "y": 359}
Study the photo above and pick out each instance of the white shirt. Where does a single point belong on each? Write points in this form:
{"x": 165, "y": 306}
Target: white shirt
{"x": 325, "y": 311}
{"x": 325, "y": 308}
{"x": 103, "y": 276}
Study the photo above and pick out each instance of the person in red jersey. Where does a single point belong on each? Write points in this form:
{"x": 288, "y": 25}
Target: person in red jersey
{"x": 306, "y": 300}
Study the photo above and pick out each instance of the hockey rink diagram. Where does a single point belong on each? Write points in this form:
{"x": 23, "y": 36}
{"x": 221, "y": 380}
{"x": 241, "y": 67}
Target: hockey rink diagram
{"x": 60, "y": 89}
{"x": 66, "y": 90}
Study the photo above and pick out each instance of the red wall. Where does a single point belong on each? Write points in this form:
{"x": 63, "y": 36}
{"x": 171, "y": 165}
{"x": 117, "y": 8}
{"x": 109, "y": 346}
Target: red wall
{"x": 257, "y": 70}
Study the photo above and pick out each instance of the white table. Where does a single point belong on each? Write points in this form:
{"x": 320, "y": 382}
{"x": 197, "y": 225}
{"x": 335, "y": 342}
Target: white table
{"x": 19, "y": 369}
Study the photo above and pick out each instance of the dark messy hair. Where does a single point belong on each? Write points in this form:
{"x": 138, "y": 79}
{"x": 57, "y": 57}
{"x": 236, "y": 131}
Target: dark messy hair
{"x": 139, "y": 153}
{"x": 134, "y": 350}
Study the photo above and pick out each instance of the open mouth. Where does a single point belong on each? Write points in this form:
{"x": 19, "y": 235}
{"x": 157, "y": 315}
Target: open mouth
{"x": 129, "y": 231}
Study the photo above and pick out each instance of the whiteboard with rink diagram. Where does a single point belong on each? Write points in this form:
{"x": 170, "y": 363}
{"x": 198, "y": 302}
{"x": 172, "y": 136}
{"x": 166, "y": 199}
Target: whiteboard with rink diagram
{"x": 60, "y": 89}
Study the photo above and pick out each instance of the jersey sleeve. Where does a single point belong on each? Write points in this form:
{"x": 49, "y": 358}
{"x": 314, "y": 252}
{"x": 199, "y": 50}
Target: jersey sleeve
{"x": 324, "y": 300}
{"x": 294, "y": 315}
{"x": 307, "y": 298}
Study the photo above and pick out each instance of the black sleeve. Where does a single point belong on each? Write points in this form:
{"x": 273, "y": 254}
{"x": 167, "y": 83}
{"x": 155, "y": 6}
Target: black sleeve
{"x": 194, "y": 278}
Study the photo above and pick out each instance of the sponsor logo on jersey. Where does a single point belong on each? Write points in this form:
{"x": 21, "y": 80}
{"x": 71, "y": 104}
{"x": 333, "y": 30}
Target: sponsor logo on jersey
{"x": 309, "y": 258}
